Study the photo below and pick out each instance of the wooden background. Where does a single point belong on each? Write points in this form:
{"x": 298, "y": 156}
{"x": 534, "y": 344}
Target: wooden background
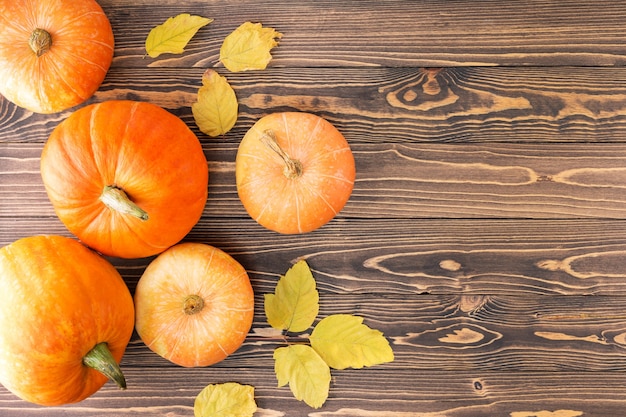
{"x": 486, "y": 233}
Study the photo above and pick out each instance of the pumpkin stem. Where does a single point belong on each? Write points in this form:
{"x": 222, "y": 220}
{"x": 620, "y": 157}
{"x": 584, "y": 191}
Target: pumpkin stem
{"x": 40, "y": 41}
{"x": 293, "y": 167}
{"x": 193, "y": 304}
{"x": 116, "y": 199}
{"x": 101, "y": 359}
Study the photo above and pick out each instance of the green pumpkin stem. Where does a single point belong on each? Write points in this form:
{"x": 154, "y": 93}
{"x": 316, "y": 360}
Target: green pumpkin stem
{"x": 40, "y": 41}
{"x": 101, "y": 359}
{"x": 116, "y": 199}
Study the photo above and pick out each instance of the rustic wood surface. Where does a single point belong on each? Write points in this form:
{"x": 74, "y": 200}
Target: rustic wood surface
{"x": 486, "y": 234}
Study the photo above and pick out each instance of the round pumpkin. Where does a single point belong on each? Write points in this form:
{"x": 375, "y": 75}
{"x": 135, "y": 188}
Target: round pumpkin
{"x": 54, "y": 54}
{"x": 65, "y": 312}
{"x": 294, "y": 171}
{"x": 194, "y": 305}
{"x": 128, "y": 178}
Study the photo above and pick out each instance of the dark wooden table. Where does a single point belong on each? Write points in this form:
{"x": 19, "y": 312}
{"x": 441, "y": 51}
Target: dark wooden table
{"x": 486, "y": 234}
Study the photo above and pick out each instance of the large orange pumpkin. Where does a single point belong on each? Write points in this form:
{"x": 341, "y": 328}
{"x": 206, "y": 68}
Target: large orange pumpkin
{"x": 128, "y": 178}
{"x": 64, "y": 310}
{"x": 54, "y": 54}
{"x": 194, "y": 305}
{"x": 295, "y": 171}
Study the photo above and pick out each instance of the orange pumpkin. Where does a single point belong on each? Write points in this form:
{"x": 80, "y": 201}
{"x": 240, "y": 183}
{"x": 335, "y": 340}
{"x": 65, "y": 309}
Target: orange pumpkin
{"x": 294, "y": 172}
{"x": 66, "y": 316}
{"x": 128, "y": 178}
{"x": 194, "y": 305}
{"x": 54, "y": 54}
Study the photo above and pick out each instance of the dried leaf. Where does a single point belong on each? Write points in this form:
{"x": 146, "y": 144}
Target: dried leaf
{"x": 174, "y": 35}
{"x": 295, "y": 302}
{"x": 343, "y": 341}
{"x": 306, "y": 373}
{"x": 248, "y": 47}
{"x": 216, "y": 110}
{"x": 225, "y": 400}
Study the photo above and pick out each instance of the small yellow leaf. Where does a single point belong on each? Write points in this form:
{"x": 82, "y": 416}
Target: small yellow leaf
{"x": 295, "y": 302}
{"x": 225, "y": 400}
{"x": 173, "y": 35}
{"x": 306, "y": 373}
{"x": 343, "y": 341}
{"x": 216, "y": 110}
{"x": 248, "y": 47}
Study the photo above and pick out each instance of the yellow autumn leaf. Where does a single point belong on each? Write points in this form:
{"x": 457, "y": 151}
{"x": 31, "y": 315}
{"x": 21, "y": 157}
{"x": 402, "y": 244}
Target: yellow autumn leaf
{"x": 225, "y": 400}
{"x": 305, "y": 371}
{"x": 248, "y": 47}
{"x": 343, "y": 341}
{"x": 174, "y": 35}
{"x": 216, "y": 110}
{"x": 295, "y": 302}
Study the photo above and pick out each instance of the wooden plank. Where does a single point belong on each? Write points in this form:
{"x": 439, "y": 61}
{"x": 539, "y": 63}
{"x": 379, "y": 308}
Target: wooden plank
{"x": 390, "y": 105}
{"x": 431, "y": 256}
{"x": 408, "y": 181}
{"x": 486, "y": 233}
{"x": 507, "y": 334}
{"x": 396, "y": 33}
{"x": 360, "y": 393}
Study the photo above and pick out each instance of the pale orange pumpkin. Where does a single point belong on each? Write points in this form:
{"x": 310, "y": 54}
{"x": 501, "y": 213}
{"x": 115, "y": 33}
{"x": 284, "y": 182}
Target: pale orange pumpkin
{"x": 54, "y": 54}
{"x": 294, "y": 171}
{"x": 194, "y": 305}
{"x": 127, "y": 178}
{"x": 65, "y": 312}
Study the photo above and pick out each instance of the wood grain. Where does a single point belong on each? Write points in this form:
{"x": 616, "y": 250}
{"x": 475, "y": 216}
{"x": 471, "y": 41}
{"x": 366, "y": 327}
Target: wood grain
{"x": 486, "y": 234}
{"x": 397, "y": 33}
{"x": 388, "y": 105}
{"x": 409, "y": 181}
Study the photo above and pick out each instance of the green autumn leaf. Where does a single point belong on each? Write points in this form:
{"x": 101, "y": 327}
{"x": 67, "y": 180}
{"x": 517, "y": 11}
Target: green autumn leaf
{"x": 295, "y": 302}
{"x": 343, "y": 341}
{"x": 225, "y": 400}
{"x": 305, "y": 371}
{"x": 216, "y": 110}
{"x": 248, "y": 47}
{"x": 173, "y": 35}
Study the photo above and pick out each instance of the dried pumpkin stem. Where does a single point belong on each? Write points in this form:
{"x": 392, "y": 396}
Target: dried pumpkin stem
{"x": 101, "y": 359}
{"x": 40, "y": 41}
{"x": 293, "y": 167}
{"x": 116, "y": 199}
{"x": 193, "y": 304}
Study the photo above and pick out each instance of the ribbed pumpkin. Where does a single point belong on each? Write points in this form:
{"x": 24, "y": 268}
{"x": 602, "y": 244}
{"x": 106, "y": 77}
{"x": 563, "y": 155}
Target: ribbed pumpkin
{"x": 54, "y": 54}
{"x": 128, "y": 178}
{"x": 64, "y": 310}
{"x": 295, "y": 171}
{"x": 194, "y": 305}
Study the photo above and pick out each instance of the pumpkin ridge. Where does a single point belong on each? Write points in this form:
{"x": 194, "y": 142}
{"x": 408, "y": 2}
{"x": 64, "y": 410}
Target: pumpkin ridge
{"x": 309, "y": 141}
{"x": 269, "y": 202}
{"x": 75, "y": 271}
{"x": 83, "y": 58}
{"x": 50, "y": 65}
{"x": 71, "y": 23}
{"x": 337, "y": 178}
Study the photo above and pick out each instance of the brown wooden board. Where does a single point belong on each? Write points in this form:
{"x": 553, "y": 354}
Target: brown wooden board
{"x": 486, "y": 233}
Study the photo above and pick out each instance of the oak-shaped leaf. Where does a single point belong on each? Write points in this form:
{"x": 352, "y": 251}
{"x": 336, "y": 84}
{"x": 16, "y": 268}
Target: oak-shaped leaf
{"x": 305, "y": 371}
{"x": 343, "y": 341}
{"x": 295, "y": 302}
{"x": 229, "y": 399}
{"x": 174, "y": 35}
{"x": 216, "y": 109}
{"x": 248, "y": 47}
